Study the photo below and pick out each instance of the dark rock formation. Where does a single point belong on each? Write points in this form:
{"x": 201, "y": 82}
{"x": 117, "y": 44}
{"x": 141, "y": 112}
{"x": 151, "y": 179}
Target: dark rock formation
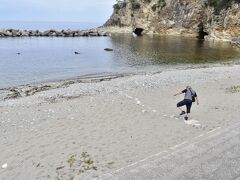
{"x": 108, "y": 49}
{"x": 51, "y": 33}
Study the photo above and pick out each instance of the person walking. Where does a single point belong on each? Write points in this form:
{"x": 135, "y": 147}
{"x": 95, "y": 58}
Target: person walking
{"x": 189, "y": 97}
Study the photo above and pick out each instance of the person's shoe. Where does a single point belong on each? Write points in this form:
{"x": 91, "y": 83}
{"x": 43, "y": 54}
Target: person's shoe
{"x": 182, "y": 113}
{"x": 186, "y": 118}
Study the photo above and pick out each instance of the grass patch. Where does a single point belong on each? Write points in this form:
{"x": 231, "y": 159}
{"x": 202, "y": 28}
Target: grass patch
{"x": 233, "y": 89}
{"x": 71, "y": 160}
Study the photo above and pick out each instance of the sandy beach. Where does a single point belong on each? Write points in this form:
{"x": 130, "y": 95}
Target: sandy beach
{"x": 86, "y": 129}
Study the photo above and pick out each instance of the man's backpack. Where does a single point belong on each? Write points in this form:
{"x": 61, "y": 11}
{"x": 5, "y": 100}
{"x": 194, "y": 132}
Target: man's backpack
{"x": 193, "y": 96}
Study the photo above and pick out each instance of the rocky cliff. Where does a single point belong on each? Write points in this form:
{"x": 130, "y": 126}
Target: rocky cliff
{"x": 210, "y": 19}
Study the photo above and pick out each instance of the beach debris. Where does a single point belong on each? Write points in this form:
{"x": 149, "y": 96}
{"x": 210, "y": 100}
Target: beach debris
{"x": 14, "y": 93}
{"x": 60, "y": 167}
{"x": 108, "y": 49}
{"x": 77, "y": 52}
{"x": 36, "y": 89}
{"x": 4, "y": 166}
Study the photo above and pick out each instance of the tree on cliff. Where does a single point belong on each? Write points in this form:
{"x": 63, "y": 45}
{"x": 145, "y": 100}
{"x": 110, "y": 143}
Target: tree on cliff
{"x": 221, "y": 4}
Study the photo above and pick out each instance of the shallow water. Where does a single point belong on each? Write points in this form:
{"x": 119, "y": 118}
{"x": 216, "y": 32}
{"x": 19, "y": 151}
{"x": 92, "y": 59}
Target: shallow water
{"x": 44, "y": 59}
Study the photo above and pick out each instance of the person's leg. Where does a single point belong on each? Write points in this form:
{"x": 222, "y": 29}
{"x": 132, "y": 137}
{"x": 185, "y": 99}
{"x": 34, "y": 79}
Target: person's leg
{"x": 188, "y": 106}
{"x": 179, "y": 105}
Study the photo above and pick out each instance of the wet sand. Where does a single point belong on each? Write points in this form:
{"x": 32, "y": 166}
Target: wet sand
{"x": 85, "y": 130}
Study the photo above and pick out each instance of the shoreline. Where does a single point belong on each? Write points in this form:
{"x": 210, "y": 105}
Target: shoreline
{"x": 29, "y": 89}
{"x": 104, "y": 31}
{"x": 59, "y": 89}
{"x": 234, "y": 41}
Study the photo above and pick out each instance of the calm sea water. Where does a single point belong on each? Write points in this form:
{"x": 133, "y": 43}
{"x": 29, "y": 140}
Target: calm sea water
{"x": 44, "y": 59}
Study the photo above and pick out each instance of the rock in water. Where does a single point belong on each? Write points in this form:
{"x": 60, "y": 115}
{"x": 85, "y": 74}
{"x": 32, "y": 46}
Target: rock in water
{"x": 108, "y": 49}
{"x": 134, "y": 35}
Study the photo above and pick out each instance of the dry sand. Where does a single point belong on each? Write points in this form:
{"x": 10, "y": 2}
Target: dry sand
{"x": 85, "y": 130}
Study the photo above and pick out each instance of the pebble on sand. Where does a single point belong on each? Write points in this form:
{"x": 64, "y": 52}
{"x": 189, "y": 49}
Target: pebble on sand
{"x": 4, "y": 166}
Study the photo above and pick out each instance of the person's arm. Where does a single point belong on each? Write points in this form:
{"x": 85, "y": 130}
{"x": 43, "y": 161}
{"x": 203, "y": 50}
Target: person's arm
{"x": 180, "y": 92}
{"x": 177, "y": 94}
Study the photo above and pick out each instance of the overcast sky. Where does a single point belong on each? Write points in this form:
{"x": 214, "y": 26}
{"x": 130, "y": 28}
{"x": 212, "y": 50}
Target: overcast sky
{"x": 56, "y": 10}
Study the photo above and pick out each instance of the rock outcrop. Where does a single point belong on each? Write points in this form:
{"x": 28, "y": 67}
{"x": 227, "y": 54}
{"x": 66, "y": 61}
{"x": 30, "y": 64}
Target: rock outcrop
{"x": 196, "y": 18}
{"x": 51, "y": 33}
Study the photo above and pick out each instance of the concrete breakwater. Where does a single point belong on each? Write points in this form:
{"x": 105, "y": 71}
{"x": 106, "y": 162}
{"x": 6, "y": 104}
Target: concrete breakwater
{"x": 51, "y": 33}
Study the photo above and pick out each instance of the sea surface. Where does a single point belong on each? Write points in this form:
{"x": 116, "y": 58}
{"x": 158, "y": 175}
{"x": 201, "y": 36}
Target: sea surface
{"x": 45, "y": 59}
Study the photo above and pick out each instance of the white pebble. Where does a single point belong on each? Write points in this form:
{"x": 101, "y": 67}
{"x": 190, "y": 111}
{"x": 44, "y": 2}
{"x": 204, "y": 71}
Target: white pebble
{"x": 138, "y": 102}
{"x": 4, "y": 166}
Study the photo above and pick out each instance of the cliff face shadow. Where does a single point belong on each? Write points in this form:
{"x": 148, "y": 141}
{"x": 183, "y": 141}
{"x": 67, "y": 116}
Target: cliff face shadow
{"x": 138, "y": 31}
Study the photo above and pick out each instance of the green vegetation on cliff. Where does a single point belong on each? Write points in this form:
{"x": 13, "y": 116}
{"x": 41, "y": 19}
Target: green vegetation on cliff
{"x": 159, "y": 5}
{"x": 135, "y": 4}
{"x": 122, "y": 4}
{"x": 119, "y": 5}
{"x": 221, "y": 4}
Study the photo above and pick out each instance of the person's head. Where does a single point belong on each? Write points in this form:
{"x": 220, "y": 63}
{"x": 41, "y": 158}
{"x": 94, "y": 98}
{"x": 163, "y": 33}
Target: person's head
{"x": 188, "y": 87}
